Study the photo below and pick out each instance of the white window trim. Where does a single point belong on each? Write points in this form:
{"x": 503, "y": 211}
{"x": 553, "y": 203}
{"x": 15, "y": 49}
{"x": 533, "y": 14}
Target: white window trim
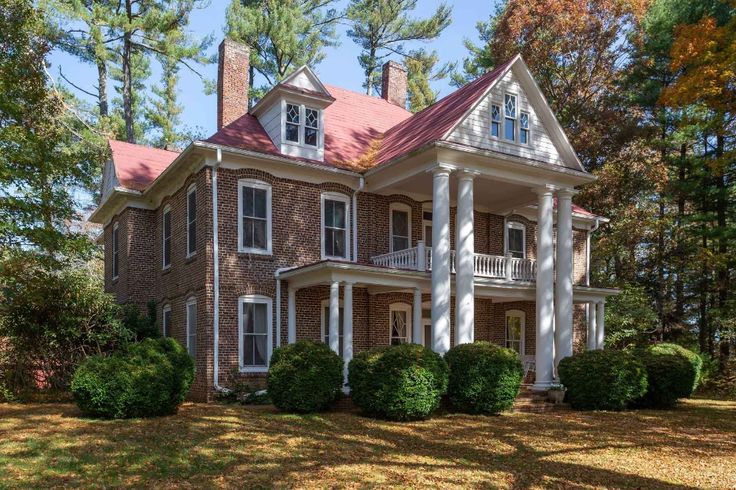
{"x": 515, "y": 314}
{"x": 115, "y": 255}
{"x": 302, "y": 124}
{"x": 517, "y": 226}
{"x": 529, "y": 129}
{"x": 192, "y": 189}
{"x": 255, "y": 298}
{"x": 164, "y": 310}
{"x": 400, "y": 307}
{"x": 426, "y": 208}
{"x": 323, "y": 320}
{"x": 398, "y": 206}
{"x": 191, "y": 301}
{"x": 335, "y": 196}
{"x": 502, "y": 136}
{"x": 164, "y": 265}
{"x": 500, "y": 121}
{"x": 258, "y": 184}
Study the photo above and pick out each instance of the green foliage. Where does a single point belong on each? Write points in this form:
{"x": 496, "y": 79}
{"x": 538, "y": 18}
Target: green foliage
{"x": 150, "y": 378}
{"x": 673, "y": 372}
{"x": 142, "y": 326}
{"x": 304, "y": 377}
{"x": 484, "y": 378}
{"x": 421, "y": 69}
{"x": 630, "y": 318}
{"x": 402, "y": 382}
{"x": 603, "y": 379}
{"x": 382, "y": 27}
{"x": 50, "y": 320}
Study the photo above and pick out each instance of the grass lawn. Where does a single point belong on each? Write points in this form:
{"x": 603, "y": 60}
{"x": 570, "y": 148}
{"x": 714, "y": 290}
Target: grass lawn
{"x": 233, "y": 446}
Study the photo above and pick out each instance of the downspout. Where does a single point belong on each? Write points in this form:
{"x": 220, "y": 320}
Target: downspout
{"x": 361, "y": 185}
{"x": 587, "y": 267}
{"x": 216, "y": 278}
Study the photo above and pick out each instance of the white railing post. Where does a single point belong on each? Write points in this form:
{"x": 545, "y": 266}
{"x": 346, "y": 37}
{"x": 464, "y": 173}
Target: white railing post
{"x": 509, "y": 267}
{"x": 421, "y": 256}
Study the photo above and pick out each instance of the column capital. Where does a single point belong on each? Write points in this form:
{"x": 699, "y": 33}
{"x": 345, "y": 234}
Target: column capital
{"x": 544, "y": 190}
{"x": 467, "y": 174}
{"x": 566, "y": 193}
{"x": 441, "y": 169}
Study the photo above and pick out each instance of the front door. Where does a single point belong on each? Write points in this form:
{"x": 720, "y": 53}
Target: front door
{"x": 427, "y": 332}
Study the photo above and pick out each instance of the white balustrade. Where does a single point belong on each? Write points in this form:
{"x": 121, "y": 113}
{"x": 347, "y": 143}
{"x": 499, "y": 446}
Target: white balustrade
{"x": 491, "y": 266}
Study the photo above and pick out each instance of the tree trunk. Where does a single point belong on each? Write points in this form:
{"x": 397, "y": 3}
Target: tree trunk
{"x": 102, "y": 87}
{"x": 681, "y": 261}
{"x": 128, "y": 76}
{"x": 722, "y": 276}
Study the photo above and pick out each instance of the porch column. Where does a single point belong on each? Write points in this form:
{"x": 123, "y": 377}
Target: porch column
{"x": 347, "y": 329}
{"x": 464, "y": 261}
{"x": 563, "y": 283}
{"x": 600, "y": 331}
{"x": 441, "y": 260}
{"x": 416, "y": 318}
{"x": 592, "y": 341}
{"x": 333, "y": 334}
{"x": 291, "y": 316}
{"x": 544, "y": 358}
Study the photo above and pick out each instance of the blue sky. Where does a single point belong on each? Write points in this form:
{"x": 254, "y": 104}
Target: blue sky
{"x": 340, "y": 67}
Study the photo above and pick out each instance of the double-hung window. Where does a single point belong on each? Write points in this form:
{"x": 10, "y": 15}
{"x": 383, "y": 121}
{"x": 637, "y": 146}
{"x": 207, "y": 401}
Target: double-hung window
{"x": 115, "y": 251}
{"x": 326, "y": 324}
{"x": 509, "y": 127}
{"x": 427, "y": 227}
{"x": 255, "y": 332}
{"x": 192, "y": 327}
{"x": 335, "y": 226}
{"x": 302, "y": 125}
{"x": 166, "y": 237}
{"x": 254, "y": 208}
{"x": 400, "y": 227}
{"x": 400, "y": 327}
{"x": 166, "y": 321}
{"x": 495, "y": 121}
{"x": 515, "y": 331}
{"x": 191, "y": 221}
{"x": 524, "y": 128}
{"x": 516, "y": 239}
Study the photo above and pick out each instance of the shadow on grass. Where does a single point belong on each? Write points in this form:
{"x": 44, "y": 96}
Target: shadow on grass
{"x": 212, "y": 445}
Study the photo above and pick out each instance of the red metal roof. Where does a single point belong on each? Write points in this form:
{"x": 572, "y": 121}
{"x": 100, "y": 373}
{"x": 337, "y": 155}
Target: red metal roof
{"x": 136, "y": 166}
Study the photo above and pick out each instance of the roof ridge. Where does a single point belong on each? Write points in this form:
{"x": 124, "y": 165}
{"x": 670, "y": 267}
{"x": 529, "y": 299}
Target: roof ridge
{"x": 148, "y": 147}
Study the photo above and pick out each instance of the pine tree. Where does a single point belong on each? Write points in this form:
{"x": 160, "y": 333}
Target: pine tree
{"x": 282, "y": 35}
{"x": 383, "y": 27}
{"x": 421, "y": 70}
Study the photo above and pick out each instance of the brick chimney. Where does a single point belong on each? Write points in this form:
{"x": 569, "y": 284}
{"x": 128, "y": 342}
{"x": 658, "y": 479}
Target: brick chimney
{"x": 232, "y": 81}
{"x": 393, "y": 83}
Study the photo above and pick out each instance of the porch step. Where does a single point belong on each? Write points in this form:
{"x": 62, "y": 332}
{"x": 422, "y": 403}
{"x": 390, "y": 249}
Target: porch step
{"x": 529, "y": 401}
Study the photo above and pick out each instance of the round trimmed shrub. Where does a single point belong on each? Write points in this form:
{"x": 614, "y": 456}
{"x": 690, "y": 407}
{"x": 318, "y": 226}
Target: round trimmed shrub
{"x": 148, "y": 379}
{"x": 304, "y": 377}
{"x": 602, "y": 379}
{"x": 484, "y": 378}
{"x": 673, "y": 372}
{"x": 401, "y": 382}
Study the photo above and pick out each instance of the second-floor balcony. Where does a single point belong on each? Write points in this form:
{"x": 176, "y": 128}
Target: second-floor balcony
{"x": 419, "y": 258}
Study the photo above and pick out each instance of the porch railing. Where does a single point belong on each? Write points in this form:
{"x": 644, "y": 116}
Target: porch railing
{"x": 419, "y": 258}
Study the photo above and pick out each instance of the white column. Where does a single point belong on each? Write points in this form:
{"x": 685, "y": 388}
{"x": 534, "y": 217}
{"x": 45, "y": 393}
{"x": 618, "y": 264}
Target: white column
{"x": 441, "y": 260}
{"x": 545, "y": 291}
{"x": 464, "y": 261}
{"x": 592, "y": 341}
{"x": 600, "y": 331}
{"x": 347, "y": 328}
{"x": 334, "y": 333}
{"x": 291, "y": 316}
{"x": 416, "y": 320}
{"x": 563, "y": 283}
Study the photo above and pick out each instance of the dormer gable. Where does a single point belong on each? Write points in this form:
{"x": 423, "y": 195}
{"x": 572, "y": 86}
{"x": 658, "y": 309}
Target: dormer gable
{"x": 292, "y": 114}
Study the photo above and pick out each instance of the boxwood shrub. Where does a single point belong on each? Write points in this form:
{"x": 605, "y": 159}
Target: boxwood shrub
{"x": 673, "y": 372}
{"x": 603, "y": 379}
{"x": 147, "y": 379}
{"x": 304, "y": 377}
{"x": 402, "y": 382}
{"x": 484, "y": 378}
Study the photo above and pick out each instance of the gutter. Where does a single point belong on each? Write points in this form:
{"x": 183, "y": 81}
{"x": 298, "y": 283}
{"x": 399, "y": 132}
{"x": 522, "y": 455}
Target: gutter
{"x": 361, "y": 186}
{"x": 216, "y": 278}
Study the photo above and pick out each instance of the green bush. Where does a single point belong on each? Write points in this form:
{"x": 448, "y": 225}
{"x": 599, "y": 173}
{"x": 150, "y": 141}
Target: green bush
{"x": 403, "y": 382}
{"x": 149, "y": 378}
{"x": 484, "y": 378}
{"x": 603, "y": 379}
{"x": 304, "y": 377}
{"x": 673, "y": 372}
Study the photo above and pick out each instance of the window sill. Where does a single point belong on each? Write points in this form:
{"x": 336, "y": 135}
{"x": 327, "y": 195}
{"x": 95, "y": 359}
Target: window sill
{"x": 115, "y": 280}
{"x": 254, "y": 370}
{"x": 190, "y": 258}
{"x": 166, "y": 270}
{"x": 255, "y": 251}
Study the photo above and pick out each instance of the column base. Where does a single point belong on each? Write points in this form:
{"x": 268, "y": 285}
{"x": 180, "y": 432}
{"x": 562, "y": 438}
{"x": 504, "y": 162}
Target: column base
{"x": 541, "y": 386}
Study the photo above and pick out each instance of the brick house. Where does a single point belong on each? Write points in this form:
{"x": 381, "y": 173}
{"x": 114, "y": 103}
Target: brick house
{"x": 330, "y": 215}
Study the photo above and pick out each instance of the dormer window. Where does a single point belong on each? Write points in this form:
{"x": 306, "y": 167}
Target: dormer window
{"x": 495, "y": 121}
{"x": 509, "y": 127}
{"x": 302, "y": 125}
{"x": 524, "y": 128}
